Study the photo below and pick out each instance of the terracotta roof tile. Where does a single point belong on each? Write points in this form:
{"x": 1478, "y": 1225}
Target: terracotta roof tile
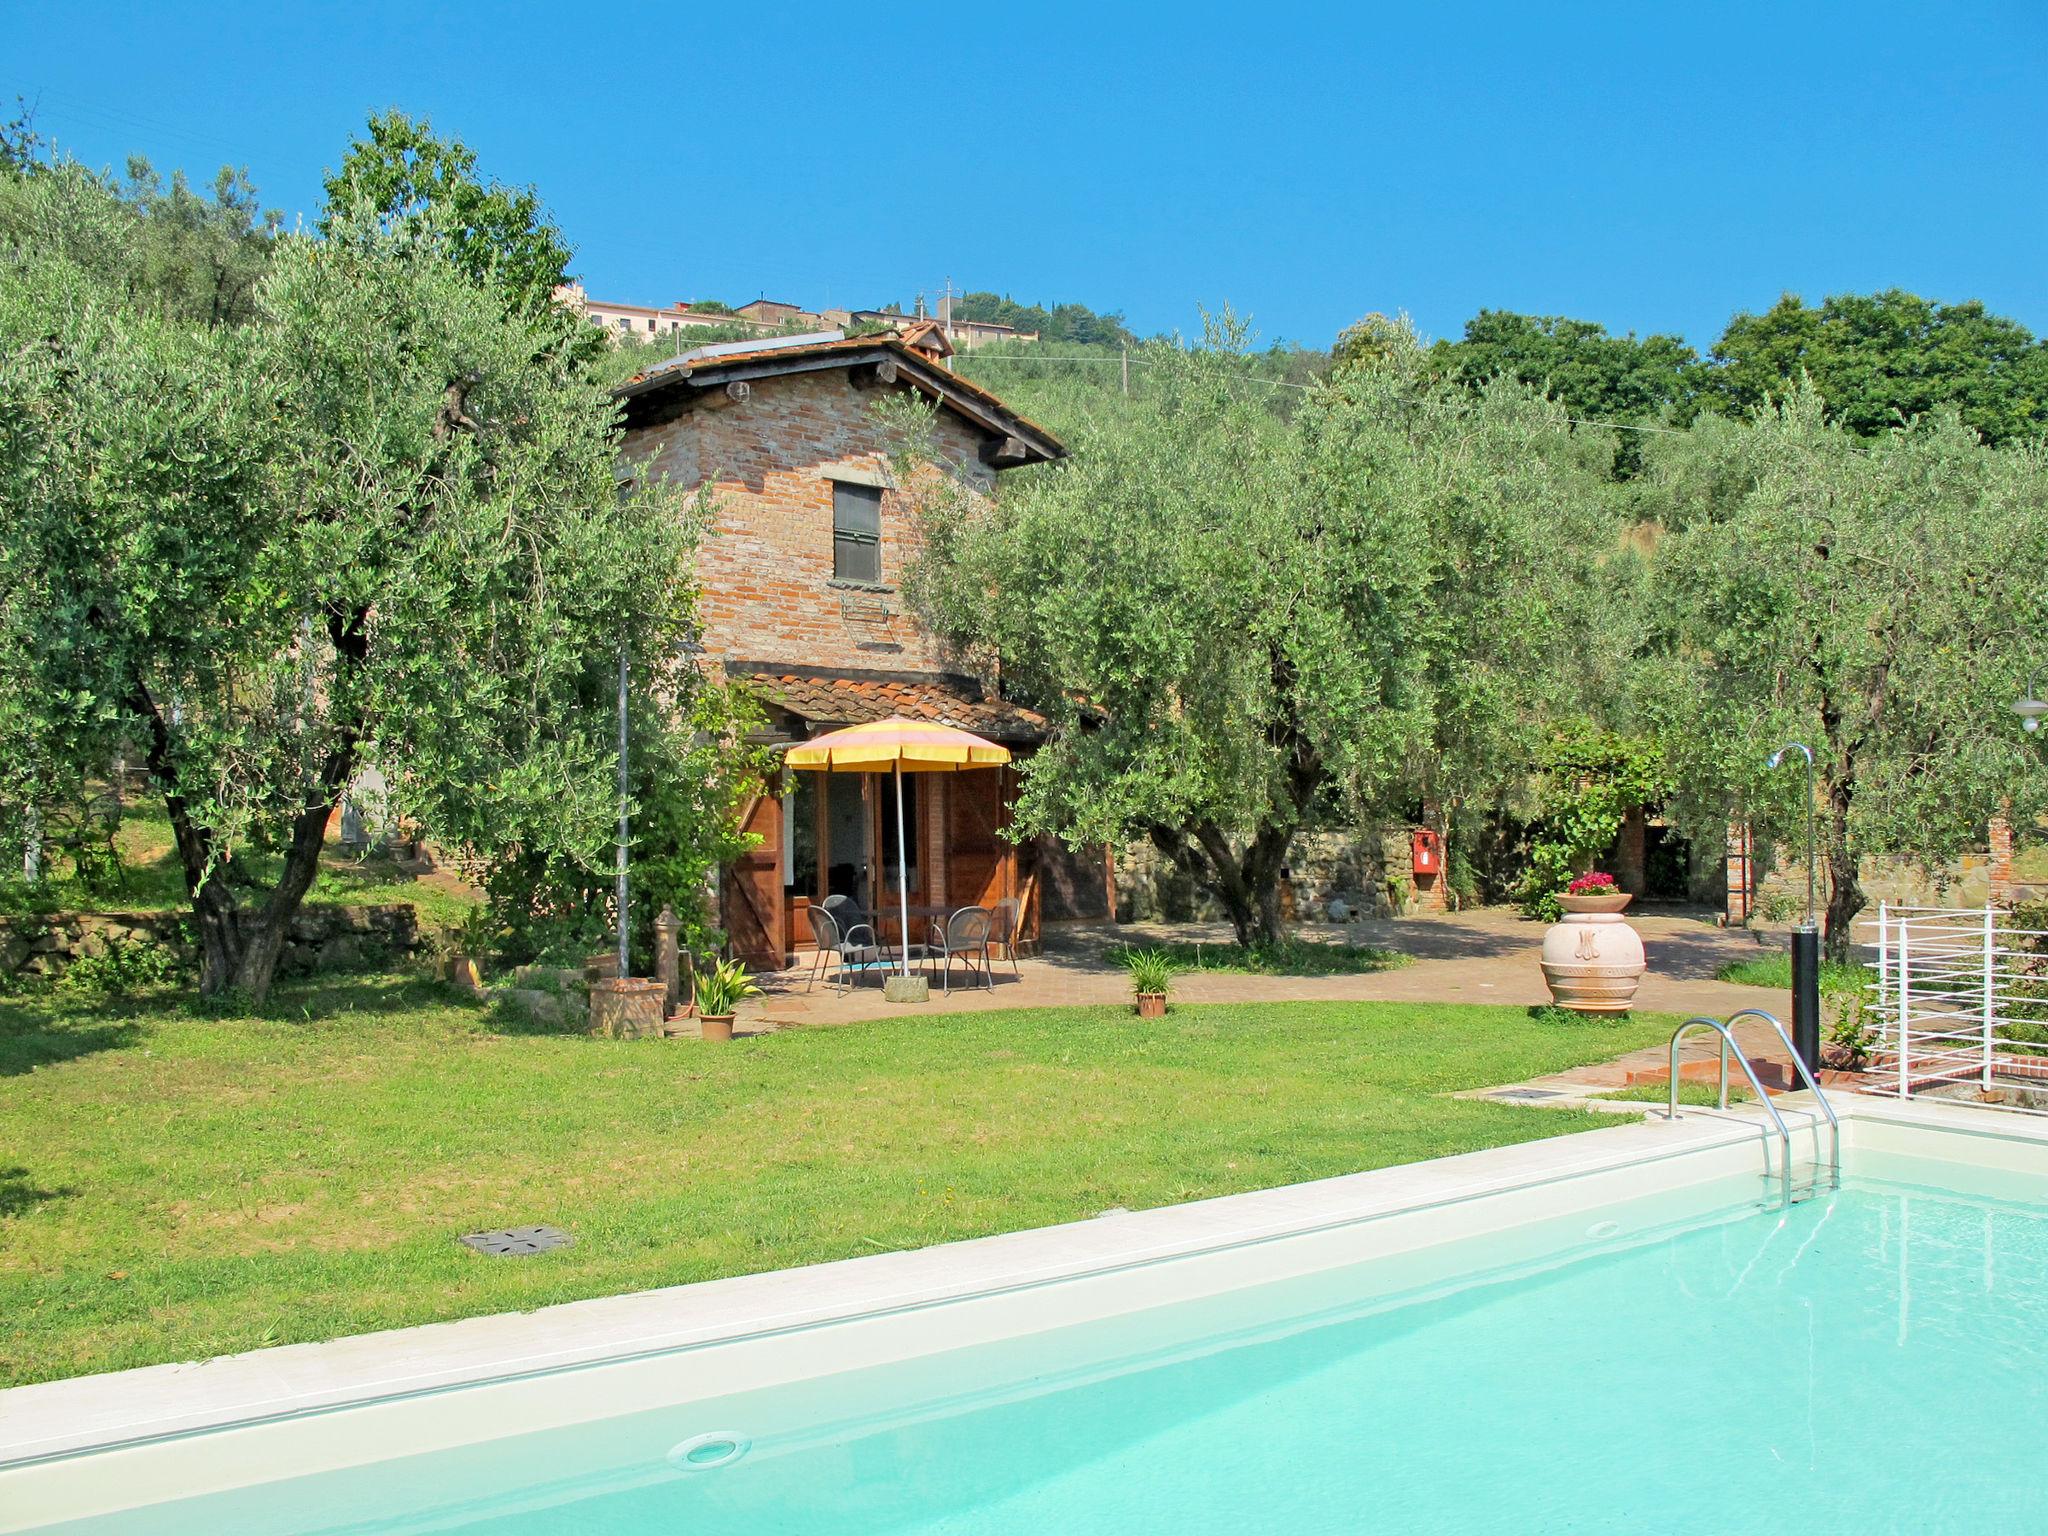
{"x": 830, "y": 699}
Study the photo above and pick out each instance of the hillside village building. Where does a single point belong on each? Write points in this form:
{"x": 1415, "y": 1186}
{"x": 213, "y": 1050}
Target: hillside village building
{"x": 768, "y": 317}
{"x": 801, "y": 595}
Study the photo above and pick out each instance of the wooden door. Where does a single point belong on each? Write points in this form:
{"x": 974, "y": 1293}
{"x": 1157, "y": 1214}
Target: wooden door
{"x": 980, "y": 868}
{"x": 753, "y": 887}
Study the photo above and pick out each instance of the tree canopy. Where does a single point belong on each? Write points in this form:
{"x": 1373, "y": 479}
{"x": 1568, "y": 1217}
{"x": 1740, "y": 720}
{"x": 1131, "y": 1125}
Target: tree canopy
{"x": 164, "y": 249}
{"x": 1592, "y": 373}
{"x": 1061, "y": 322}
{"x": 1597, "y": 377}
{"x": 377, "y": 523}
{"x": 1237, "y": 620}
{"x": 1883, "y": 358}
{"x": 1870, "y": 597}
{"x": 495, "y": 234}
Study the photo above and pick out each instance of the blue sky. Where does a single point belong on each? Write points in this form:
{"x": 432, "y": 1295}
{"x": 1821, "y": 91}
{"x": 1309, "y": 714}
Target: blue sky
{"x": 1653, "y": 166}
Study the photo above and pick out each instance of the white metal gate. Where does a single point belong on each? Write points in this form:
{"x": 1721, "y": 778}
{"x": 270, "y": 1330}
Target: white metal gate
{"x": 1961, "y": 996}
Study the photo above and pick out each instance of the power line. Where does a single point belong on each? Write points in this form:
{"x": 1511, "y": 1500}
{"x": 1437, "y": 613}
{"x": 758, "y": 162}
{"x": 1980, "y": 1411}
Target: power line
{"x": 122, "y": 123}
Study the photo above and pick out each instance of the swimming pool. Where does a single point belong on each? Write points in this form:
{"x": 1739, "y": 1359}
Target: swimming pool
{"x": 1688, "y": 1357}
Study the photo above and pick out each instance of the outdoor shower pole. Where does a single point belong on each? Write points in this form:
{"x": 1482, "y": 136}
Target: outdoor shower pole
{"x": 625, "y": 827}
{"x": 1806, "y": 937}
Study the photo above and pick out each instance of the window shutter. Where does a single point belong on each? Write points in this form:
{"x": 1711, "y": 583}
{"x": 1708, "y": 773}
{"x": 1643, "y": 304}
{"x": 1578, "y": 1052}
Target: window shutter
{"x": 856, "y": 532}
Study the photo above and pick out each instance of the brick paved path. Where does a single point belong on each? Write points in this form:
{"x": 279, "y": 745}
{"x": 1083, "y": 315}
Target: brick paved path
{"x": 1487, "y": 956}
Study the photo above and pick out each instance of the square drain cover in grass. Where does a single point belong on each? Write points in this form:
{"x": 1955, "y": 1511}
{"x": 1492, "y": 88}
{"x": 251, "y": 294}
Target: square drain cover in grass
{"x": 517, "y": 1242}
{"x": 1529, "y": 1093}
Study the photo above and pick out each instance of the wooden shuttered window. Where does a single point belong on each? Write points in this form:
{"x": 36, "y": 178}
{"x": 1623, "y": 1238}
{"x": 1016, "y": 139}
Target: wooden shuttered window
{"x": 856, "y": 532}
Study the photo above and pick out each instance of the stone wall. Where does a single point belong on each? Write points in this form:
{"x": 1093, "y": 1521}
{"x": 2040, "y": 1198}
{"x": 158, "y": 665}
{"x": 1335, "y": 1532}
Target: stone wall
{"x": 323, "y": 938}
{"x": 1970, "y": 880}
{"x": 767, "y": 592}
{"x": 1366, "y": 871}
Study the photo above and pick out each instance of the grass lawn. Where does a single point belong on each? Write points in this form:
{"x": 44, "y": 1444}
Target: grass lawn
{"x": 1775, "y": 970}
{"x": 1292, "y": 956}
{"x": 1689, "y": 1092}
{"x": 176, "y": 1186}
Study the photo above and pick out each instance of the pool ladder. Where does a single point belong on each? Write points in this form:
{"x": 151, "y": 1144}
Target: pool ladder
{"x": 1725, "y": 1028}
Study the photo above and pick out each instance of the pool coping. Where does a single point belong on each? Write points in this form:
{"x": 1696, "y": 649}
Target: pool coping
{"x": 82, "y": 1415}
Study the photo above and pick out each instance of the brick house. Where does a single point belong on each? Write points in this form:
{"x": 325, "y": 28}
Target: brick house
{"x": 801, "y": 595}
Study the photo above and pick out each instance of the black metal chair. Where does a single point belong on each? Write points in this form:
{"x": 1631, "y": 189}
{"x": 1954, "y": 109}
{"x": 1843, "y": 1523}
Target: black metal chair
{"x": 1008, "y": 916}
{"x": 853, "y": 951}
{"x": 964, "y": 937}
{"x": 846, "y": 912}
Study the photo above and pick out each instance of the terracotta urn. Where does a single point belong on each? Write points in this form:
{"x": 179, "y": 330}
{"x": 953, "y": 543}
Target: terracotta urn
{"x": 1593, "y": 960}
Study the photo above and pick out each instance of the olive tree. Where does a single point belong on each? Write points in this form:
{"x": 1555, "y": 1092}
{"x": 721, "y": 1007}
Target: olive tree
{"x": 1239, "y": 619}
{"x": 379, "y": 522}
{"x": 1878, "y": 599}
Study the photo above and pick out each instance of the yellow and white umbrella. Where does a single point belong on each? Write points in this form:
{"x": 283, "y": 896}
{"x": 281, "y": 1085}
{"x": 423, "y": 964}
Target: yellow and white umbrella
{"x": 897, "y": 746}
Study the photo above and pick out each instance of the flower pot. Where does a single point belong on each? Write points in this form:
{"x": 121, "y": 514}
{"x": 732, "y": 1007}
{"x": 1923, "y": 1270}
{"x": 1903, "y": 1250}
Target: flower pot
{"x": 1593, "y": 960}
{"x": 627, "y": 1010}
{"x": 1151, "y": 1005}
{"x": 1589, "y": 903}
{"x": 716, "y": 1026}
{"x": 461, "y": 971}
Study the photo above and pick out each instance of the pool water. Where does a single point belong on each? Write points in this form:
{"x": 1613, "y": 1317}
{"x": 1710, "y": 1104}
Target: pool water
{"x": 1871, "y": 1359}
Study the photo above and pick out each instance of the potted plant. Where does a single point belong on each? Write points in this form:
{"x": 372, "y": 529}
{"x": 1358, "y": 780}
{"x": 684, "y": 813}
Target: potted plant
{"x": 1151, "y": 973}
{"x": 1592, "y": 960}
{"x": 1594, "y": 892}
{"x": 719, "y": 991}
{"x": 471, "y": 940}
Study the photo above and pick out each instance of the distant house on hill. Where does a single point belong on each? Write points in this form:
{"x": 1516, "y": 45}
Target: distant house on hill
{"x": 775, "y": 312}
{"x": 639, "y": 322}
{"x": 801, "y": 596}
{"x": 765, "y": 317}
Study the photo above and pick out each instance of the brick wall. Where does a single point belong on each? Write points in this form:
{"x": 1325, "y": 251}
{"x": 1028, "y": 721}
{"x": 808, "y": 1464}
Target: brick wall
{"x": 765, "y": 572}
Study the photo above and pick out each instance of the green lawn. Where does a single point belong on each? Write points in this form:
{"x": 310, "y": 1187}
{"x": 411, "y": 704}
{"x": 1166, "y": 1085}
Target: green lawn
{"x": 1775, "y": 970}
{"x": 1689, "y": 1092}
{"x": 1292, "y": 956}
{"x": 177, "y": 1186}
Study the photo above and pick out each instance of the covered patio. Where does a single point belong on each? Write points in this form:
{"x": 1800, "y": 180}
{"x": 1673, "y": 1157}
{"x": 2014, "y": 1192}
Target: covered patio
{"x": 824, "y": 835}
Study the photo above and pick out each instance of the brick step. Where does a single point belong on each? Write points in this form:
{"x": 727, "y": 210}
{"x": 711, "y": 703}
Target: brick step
{"x": 1775, "y": 1075}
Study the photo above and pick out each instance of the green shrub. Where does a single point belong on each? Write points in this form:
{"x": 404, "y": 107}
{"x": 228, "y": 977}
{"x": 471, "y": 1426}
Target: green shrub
{"x": 1854, "y": 1035}
{"x": 1292, "y": 956}
{"x": 688, "y": 782}
{"x": 1778, "y": 907}
{"x": 119, "y": 965}
{"x": 1589, "y": 779}
{"x": 1461, "y": 880}
{"x": 477, "y": 934}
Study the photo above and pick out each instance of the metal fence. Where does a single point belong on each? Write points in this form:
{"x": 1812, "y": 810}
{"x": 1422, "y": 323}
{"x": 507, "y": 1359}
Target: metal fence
{"x": 1961, "y": 999}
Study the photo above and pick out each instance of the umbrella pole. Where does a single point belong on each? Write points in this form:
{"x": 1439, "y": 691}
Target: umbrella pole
{"x": 902, "y": 870}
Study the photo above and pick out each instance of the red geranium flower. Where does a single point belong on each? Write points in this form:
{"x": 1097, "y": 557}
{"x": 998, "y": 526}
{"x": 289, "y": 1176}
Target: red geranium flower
{"x": 1595, "y": 884}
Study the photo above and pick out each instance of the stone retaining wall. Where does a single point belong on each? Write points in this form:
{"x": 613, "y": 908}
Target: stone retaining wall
{"x": 1366, "y": 871}
{"x": 323, "y": 938}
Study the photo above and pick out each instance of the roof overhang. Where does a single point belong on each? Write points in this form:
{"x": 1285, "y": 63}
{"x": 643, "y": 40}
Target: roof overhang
{"x": 817, "y": 699}
{"x": 1008, "y": 439}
